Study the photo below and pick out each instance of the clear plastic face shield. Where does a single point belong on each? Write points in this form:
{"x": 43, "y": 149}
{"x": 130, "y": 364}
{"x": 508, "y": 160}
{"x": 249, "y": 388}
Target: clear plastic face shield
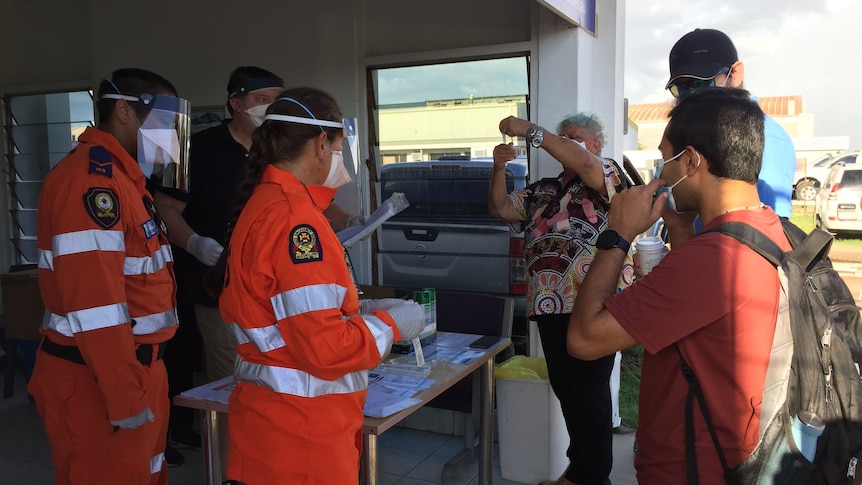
{"x": 338, "y": 172}
{"x": 163, "y": 138}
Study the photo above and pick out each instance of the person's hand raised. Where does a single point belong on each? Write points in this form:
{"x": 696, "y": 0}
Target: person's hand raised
{"x": 512, "y": 126}
{"x": 633, "y": 211}
{"x": 504, "y": 153}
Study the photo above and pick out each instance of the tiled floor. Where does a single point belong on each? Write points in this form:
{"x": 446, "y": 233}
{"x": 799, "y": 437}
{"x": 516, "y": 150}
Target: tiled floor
{"x": 406, "y": 456}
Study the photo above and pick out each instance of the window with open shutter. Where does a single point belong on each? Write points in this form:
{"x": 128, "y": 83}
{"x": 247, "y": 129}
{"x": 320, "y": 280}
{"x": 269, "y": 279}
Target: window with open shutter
{"x": 40, "y": 129}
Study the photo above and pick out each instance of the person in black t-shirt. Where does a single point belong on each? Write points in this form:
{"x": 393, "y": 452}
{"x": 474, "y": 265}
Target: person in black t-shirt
{"x": 197, "y": 221}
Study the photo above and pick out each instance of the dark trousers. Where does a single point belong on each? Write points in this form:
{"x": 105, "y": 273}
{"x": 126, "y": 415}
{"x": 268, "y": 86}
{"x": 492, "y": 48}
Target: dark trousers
{"x": 585, "y": 397}
{"x": 183, "y": 354}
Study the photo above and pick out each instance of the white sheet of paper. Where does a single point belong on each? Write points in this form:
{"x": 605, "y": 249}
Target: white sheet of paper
{"x": 395, "y": 204}
{"x": 380, "y": 405}
{"x": 216, "y": 391}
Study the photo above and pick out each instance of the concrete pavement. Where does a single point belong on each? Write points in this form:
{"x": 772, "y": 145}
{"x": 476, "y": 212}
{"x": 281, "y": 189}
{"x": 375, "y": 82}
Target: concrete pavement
{"x": 851, "y": 273}
{"x": 623, "y": 472}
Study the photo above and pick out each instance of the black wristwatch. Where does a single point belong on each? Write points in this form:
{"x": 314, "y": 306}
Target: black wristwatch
{"x": 535, "y": 135}
{"x": 609, "y": 239}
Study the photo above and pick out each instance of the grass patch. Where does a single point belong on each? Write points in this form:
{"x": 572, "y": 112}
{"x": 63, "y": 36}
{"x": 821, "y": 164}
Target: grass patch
{"x": 630, "y": 384}
{"x": 804, "y": 218}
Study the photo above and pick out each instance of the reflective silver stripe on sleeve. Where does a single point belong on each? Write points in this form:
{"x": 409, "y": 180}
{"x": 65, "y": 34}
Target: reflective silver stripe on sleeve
{"x": 382, "y": 333}
{"x": 89, "y": 240}
{"x": 264, "y": 338}
{"x": 46, "y": 259}
{"x": 79, "y": 242}
{"x": 307, "y": 299}
{"x": 148, "y": 324}
{"x": 156, "y": 463}
{"x": 296, "y": 382}
{"x": 89, "y": 319}
{"x": 148, "y": 264}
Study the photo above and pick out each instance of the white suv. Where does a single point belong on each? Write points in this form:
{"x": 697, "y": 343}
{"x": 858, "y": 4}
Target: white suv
{"x": 839, "y": 203}
{"x": 807, "y": 182}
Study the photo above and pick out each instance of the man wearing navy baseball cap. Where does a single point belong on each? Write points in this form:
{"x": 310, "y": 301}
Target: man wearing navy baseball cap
{"x": 707, "y": 57}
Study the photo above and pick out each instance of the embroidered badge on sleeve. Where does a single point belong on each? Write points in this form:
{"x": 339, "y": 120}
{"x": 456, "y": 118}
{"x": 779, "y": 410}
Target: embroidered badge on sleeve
{"x": 101, "y": 162}
{"x": 305, "y": 245}
{"x": 102, "y": 206}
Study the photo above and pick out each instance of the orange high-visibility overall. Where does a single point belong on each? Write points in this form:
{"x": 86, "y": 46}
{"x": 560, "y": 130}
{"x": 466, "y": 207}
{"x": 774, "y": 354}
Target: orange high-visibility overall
{"x": 304, "y": 350}
{"x": 106, "y": 279}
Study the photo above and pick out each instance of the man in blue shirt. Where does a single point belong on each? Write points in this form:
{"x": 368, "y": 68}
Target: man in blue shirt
{"x": 707, "y": 57}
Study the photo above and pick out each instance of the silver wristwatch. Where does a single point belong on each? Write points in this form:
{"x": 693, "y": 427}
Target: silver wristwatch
{"x": 535, "y": 135}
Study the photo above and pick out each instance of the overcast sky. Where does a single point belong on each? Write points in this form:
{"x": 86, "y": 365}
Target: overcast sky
{"x": 811, "y": 48}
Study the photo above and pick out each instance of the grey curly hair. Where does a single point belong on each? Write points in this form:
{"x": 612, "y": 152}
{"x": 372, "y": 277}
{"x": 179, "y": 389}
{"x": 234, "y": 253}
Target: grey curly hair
{"x": 589, "y": 121}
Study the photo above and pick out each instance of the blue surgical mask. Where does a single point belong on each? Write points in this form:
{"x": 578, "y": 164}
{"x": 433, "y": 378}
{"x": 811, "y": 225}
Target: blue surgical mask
{"x": 670, "y": 202}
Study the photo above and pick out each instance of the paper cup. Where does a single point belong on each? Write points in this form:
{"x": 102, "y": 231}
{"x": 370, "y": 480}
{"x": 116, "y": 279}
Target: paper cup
{"x": 650, "y": 251}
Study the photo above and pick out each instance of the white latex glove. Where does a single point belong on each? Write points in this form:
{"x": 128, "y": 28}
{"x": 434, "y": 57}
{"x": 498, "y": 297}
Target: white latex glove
{"x": 368, "y": 306}
{"x": 409, "y": 318}
{"x": 206, "y": 249}
{"x": 144, "y": 417}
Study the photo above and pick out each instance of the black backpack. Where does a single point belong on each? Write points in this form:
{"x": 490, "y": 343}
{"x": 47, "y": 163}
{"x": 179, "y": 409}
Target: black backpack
{"x": 814, "y": 365}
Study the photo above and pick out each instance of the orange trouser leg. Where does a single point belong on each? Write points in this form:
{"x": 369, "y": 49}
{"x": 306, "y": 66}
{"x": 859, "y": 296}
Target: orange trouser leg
{"x": 84, "y": 446}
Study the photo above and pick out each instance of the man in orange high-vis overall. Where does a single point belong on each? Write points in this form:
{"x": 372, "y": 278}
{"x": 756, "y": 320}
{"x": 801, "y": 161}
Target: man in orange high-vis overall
{"x": 106, "y": 278}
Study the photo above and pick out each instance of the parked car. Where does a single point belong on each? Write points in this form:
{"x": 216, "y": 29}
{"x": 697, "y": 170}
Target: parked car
{"x": 839, "y": 203}
{"x": 807, "y": 182}
{"x": 446, "y": 239}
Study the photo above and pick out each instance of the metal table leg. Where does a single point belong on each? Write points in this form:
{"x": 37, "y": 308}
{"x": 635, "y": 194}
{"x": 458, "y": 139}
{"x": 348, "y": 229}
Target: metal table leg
{"x": 369, "y": 454}
{"x": 212, "y": 461}
{"x": 486, "y": 422}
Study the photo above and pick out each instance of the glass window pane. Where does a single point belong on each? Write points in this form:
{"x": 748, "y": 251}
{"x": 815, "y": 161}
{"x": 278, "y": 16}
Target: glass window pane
{"x": 53, "y": 108}
{"x": 43, "y": 129}
{"x": 425, "y": 112}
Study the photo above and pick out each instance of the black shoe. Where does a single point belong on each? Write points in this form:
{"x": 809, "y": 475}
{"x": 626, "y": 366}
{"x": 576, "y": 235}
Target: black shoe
{"x": 623, "y": 429}
{"x": 173, "y": 457}
{"x": 185, "y": 439}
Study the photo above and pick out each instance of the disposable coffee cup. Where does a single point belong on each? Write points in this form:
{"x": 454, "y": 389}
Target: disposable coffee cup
{"x": 650, "y": 252}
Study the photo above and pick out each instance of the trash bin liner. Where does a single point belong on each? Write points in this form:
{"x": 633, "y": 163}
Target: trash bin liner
{"x": 522, "y": 366}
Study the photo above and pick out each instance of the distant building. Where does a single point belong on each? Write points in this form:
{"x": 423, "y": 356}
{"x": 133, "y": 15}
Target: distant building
{"x": 647, "y": 123}
{"x": 426, "y": 131}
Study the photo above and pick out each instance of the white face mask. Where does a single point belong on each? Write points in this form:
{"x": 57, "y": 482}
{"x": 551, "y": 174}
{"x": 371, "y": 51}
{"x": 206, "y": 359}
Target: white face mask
{"x": 257, "y": 113}
{"x": 338, "y": 175}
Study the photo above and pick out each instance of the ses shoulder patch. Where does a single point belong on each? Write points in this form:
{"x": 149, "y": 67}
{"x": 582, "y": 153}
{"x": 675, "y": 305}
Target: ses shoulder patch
{"x": 101, "y": 162}
{"x": 102, "y": 206}
{"x": 305, "y": 245}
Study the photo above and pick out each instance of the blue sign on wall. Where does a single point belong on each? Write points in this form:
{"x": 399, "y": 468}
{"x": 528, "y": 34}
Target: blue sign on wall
{"x": 579, "y": 12}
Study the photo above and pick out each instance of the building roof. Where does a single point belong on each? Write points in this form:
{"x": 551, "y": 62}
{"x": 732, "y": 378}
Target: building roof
{"x": 772, "y": 106}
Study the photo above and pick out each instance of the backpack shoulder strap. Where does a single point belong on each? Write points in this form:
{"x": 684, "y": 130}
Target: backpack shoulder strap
{"x": 695, "y": 393}
{"x": 808, "y": 249}
{"x": 752, "y": 238}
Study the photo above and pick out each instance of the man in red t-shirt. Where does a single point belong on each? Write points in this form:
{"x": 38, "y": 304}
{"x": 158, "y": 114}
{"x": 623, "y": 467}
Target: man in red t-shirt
{"x": 711, "y": 299}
